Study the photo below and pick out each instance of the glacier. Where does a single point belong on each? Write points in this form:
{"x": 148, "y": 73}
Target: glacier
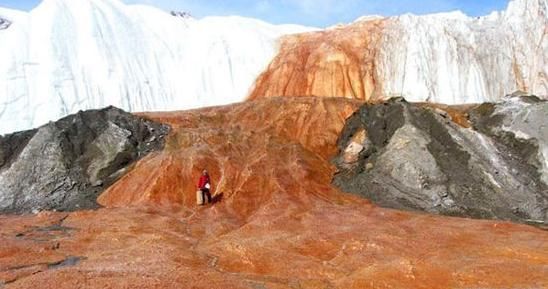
{"x": 447, "y": 58}
{"x": 71, "y": 55}
{"x": 452, "y": 58}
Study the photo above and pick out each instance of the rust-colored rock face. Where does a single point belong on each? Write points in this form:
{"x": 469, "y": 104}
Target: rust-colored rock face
{"x": 270, "y": 144}
{"x": 337, "y": 62}
{"x": 277, "y": 222}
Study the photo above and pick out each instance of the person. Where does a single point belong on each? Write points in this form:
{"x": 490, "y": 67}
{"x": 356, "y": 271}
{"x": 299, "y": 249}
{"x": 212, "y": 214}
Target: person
{"x": 204, "y": 186}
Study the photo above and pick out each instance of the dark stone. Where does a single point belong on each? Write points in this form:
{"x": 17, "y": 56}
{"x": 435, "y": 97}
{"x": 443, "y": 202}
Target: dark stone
{"x": 4, "y": 24}
{"x": 182, "y": 14}
{"x": 416, "y": 159}
{"x": 65, "y": 165}
{"x": 68, "y": 262}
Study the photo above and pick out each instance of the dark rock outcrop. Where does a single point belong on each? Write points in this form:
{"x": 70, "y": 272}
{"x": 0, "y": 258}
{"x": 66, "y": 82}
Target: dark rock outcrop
{"x": 181, "y": 14}
{"x": 65, "y": 165}
{"x": 4, "y": 23}
{"x": 412, "y": 156}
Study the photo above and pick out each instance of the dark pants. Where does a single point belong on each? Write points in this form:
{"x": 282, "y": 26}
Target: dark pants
{"x": 206, "y": 194}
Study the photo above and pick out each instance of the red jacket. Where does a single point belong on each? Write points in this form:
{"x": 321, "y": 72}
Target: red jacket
{"x": 203, "y": 181}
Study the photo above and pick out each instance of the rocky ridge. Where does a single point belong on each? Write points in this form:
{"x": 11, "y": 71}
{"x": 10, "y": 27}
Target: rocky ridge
{"x": 66, "y": 164}
{"x": 411, "y": 156}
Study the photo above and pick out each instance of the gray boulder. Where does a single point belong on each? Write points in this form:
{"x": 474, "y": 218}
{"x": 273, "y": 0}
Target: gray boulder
{"x": 65, "y": 165}
{"x": 415, "y": 157}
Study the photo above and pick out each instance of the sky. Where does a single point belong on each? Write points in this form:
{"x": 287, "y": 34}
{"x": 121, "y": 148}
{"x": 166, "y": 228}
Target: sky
{"x": 319, "y": 13}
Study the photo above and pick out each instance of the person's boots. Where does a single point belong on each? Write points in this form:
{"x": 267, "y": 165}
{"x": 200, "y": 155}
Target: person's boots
{"x": 199, "y": 198}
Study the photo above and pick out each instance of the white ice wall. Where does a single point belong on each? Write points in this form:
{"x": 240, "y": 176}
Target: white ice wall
{"x": 452, "y": 58}
{"x": 68, "y": 55}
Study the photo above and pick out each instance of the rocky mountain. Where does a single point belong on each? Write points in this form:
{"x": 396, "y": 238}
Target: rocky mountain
{"x": 277, "y": 221}
{"x": 65, "y": 165}
{"x": 410, "y": 156}
{"x": 141, "y": 59}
